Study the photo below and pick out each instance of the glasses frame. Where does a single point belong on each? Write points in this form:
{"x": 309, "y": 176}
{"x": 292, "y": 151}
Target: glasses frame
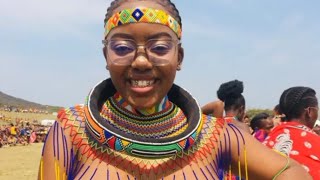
{"x": 311, "y": 107}
{"x": 177, "y": 42}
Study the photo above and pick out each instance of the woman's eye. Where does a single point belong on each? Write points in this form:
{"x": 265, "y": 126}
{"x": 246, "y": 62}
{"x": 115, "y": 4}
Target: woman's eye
{"x": 122, "y": 49}
{"x": 160, "y": 49}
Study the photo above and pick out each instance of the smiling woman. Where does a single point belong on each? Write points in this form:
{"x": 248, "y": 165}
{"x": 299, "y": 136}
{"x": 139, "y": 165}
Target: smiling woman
{"x": 138, "y": 124}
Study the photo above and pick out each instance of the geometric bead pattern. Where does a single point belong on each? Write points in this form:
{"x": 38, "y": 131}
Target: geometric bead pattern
{"x": 142, "y": 14}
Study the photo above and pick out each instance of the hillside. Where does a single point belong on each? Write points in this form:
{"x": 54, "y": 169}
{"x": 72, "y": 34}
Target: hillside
{"x": 7, "y": 100}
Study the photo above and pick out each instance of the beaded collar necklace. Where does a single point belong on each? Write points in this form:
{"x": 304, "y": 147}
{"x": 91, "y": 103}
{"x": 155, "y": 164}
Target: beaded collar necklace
{"x": 135, "y": 145}
{"x": 170, "y": 121}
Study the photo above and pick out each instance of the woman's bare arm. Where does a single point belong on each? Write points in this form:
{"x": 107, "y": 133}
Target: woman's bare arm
{"x": 215, "y": 108}
{"x": 55, "y": 161}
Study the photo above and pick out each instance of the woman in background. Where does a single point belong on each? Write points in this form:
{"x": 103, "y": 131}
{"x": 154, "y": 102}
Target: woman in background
{"x": 295, "y": 137}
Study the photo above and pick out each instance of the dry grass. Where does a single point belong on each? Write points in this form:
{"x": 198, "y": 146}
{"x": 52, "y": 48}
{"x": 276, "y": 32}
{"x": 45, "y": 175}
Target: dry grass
{"x": 20, "y": 162}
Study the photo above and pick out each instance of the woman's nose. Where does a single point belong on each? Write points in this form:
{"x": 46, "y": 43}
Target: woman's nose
{"x": 141, "y": 62}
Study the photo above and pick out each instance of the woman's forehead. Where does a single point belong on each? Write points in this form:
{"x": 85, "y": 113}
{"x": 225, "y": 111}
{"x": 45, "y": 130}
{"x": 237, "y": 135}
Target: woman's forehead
{"x": 142, "y": 31}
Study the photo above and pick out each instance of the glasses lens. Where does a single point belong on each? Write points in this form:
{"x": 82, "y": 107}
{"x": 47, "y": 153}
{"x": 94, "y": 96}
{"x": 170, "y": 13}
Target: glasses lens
{"x": 161, "y": 52}
{"x": 123, "y": 52}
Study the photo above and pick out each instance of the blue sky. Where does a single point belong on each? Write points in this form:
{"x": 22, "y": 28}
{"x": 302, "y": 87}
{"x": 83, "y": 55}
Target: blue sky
{"x": 50, "y": 50}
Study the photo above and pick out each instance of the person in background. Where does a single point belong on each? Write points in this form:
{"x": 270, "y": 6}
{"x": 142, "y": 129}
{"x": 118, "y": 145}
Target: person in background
{"x": 13, "y": 130}
{"x": 215, "y": 109}
{"x": 261, "y": 124}
{"x": 316, "y": 127}
{"x": 295, "y": 137}
{"x": 28, "y": 132}
{"x": 278, "y": 116}
{"x": 234, "y": 103}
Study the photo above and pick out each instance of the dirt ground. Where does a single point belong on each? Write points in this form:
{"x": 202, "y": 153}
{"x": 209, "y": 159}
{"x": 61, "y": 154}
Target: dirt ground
{"x": 20, "y": 162}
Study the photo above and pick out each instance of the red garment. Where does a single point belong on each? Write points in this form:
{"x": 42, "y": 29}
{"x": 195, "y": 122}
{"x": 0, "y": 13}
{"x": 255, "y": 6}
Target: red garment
{"x": 299, "y": 143}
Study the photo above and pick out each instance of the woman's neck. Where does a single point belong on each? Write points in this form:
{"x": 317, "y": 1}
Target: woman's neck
{"x": 164, "y": 104}
{"x": 303, "y": 122}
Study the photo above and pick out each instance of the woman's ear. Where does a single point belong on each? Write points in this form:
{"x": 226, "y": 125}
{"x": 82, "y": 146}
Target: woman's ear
{"x": 104, "y": 51}
{"x": 105, "y": 57}
{"x": 180, "y": 57}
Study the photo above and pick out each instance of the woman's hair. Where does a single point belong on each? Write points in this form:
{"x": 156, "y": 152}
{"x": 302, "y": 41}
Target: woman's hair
{"x": 257, "y": 119}
{"x": 277, "y": 109}
{"x": 294, "y": 100}
{"x": 165, "y": 3}
{"x": 231, "y": 94}
{"x": 278, "y": 112}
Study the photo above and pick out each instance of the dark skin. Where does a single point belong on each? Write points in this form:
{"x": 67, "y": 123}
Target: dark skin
{"x": 141, "y": 68}
{"x": 239, "y": 114}
{"x": 308, "y": 117}
{"x": 267, "y": 124}
{"x": 215, "y": 108}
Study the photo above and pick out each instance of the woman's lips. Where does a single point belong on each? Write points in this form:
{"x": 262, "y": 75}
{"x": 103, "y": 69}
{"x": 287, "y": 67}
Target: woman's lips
{"x": 142, "y": 86}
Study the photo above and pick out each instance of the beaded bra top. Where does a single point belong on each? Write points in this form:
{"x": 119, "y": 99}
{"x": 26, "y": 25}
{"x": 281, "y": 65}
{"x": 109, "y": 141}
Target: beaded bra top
{"x": 104, "y": 118}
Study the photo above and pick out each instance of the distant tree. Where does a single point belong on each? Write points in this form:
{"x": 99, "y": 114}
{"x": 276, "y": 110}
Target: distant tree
{"x": 252, "y": 112}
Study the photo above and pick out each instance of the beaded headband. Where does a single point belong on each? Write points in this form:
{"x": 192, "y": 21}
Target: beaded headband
{"x": 142, "y": 14}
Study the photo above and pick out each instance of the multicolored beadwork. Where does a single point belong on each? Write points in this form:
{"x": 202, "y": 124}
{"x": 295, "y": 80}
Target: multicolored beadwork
{"x": 112, "y": 138}
{"x": 167, "y": 123}
{"x": 71, "y": 151}
{"x": 142, "y": 14}
{"x": 118, "y": 143}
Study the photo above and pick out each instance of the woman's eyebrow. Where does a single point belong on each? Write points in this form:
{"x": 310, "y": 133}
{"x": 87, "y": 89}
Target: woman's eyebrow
{"x": 121, "y": 35}
{"x": 158, "y": 35}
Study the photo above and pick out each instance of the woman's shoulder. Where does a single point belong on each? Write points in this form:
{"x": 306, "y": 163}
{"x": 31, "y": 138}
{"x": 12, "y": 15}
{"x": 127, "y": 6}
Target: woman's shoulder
{"x": 290, "y": 128}
{"x": 72, "y": 115}
{"x": 215, "y": 126}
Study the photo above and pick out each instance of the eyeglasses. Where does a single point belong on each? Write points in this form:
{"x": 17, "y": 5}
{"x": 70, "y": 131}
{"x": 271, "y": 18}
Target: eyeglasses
{"x": 279, "y": 116}
{"x": 308, "y": 108}
{"x": 123, "y": 52}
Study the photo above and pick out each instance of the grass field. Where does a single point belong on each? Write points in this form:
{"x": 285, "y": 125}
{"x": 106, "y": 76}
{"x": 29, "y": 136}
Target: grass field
{"x": 20, "y": 162}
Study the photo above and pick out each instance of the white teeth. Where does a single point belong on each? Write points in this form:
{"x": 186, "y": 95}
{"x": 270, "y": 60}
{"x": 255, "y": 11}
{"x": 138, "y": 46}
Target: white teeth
{"x": 141, "y": 83}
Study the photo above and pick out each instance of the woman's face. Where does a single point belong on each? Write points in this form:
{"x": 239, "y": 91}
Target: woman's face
{"x": 313, "y": 114}
{"x": 267, "y": 124}
{"x": 142, "y": 83}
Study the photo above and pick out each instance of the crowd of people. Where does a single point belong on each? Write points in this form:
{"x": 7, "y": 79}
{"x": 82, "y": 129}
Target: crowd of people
{"x": 8, "y": 108}
{"x": 292, "y": 129}
{"x": 19, "y": 130}
{"x": 22, "y": 133}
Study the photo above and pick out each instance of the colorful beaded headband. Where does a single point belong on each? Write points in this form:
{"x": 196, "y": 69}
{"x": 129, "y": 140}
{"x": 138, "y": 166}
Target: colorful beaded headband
{"x": 142, "y": 14}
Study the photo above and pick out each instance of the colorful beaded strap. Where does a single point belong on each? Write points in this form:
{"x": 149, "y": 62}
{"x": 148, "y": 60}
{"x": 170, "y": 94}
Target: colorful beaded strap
{"x": 142, "y": 14}
{"x": 143, "y": 147}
